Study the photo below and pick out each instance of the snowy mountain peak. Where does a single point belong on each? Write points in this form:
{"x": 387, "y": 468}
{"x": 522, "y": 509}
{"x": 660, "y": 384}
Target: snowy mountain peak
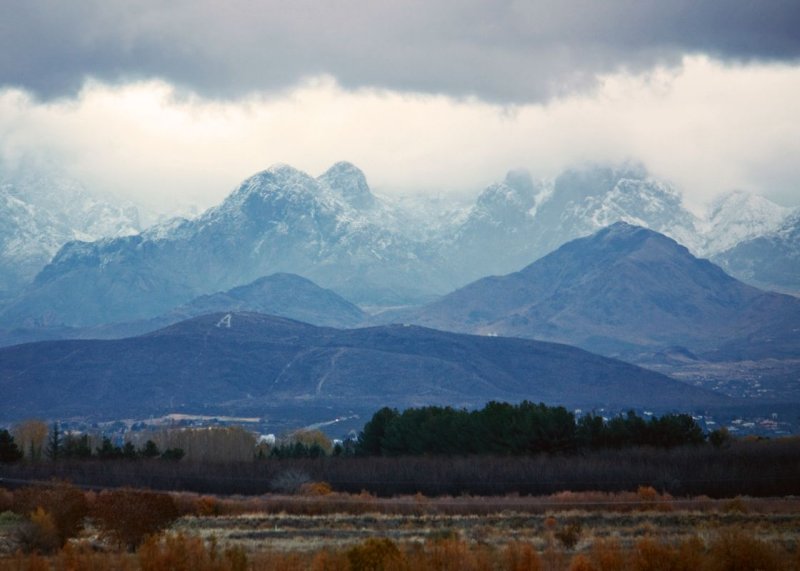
{"x": 348, "y": 181}
{"x": 279, "y": 179}
{"x": 41, "y": 209}
{"x": 738, "y": 216}
{"x": 516, "y": 195}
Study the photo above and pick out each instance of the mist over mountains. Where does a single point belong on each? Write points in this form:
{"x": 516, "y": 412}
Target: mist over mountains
{"x": 377, "y": 252}
{"x": 40, "y": 211}
{"x": 603, "y": 259}
{"x": 769, "y": 260}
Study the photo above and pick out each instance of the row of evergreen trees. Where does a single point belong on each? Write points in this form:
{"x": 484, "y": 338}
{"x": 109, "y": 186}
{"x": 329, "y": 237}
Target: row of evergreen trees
{"x": 509, "y": 429}
{"x": 498, "y": 428}
{"x": 62, "y": 446}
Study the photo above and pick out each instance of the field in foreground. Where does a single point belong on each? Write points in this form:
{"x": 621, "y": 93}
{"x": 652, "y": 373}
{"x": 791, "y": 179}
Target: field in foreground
{"x": 333, "y": 531}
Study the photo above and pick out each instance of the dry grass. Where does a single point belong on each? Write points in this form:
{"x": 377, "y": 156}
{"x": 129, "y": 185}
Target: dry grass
{"x": 324, "y": 530}
{"x": 729, "y": 550}
{"x": 318, "y": 499}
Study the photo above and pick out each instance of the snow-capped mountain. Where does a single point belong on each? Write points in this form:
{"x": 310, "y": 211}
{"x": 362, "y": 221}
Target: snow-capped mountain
{"x": 519, "y": 220}
{"x": 336, "y": 232}
{"x": 739, "y": 216}
{"x": 40, "y": 211}
{"x": 279, "y": 220}
{"x": 771, "y": 260}
{"x": 499, "y": 230}
{"x": 586, "y": 200}
{"x": 349, "y": 183}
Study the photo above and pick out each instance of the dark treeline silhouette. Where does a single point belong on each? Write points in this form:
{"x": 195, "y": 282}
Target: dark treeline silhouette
{"x": 9, "y": 451}
{"x": 503, "y": 448}
{"x": 62, "y": 445}
{"x": 754, "y": 468}
{"x": 77, "y": 447}
{"x": 516, "y": 429}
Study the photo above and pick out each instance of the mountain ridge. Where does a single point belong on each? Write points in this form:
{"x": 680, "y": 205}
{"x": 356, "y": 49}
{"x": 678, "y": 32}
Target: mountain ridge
{"x": 251, "y": 363}
{"x": 622, "y": 290}
{"x": 333, "y": 230}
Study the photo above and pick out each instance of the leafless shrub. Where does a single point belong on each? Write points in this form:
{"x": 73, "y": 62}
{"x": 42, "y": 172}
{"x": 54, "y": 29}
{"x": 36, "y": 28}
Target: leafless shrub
{"x": 128, "y": 516}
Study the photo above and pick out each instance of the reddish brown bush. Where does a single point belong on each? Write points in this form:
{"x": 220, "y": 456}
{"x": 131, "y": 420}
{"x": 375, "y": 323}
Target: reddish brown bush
{"x": 581, "y": 563}
{"x": 181, "y": 553}
{"x": 735, "y": 505}
{"x": 22, "y": 562}
{"x": 450, "y": 554}
{"x": 649, "y": 555}
{"x": 65, "y": 504}
{"x": 375, "y": 555}
{"x": 207, "y": 506}
{"x": 327, "y": 560}
{"x": 128, "y": 516}
{"x": 82, "y": 557}
{"x": 521, "y": 557}
{"x": 6, "y": 500}
{"x": 316, "y": 489}
{"x": 734, "y": 551}
{"x": 608, "y": 555}
{"x": 569, "y": 535}
{"x": 691, "y": 554}
{"x": 38, "y": 534}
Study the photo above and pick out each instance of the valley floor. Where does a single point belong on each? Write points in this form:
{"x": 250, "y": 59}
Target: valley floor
{"x": 567, "y": 531}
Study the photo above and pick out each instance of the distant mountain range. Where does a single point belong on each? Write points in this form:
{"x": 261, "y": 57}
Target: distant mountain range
{"x": 371, "y": 250}
{"x": 622, "y": 291}
{"x": 280, "y": 220}
{"x": 520, "y": 220}
{"x": 603, "y": 269}
{"x": 40, "y": 211}
{"x": 252, "y": 364}
{"x": 770, "y": 260}
{"x": 281, "y": 295}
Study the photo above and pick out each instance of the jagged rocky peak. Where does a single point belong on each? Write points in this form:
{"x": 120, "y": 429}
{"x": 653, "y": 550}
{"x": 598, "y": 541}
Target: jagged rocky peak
{"x": 516, "y": 191}
{"x": 277, "y": 176}
{"x": 739, "y": 216}
{"x": 596, "y": 180}
{"x": 349, "y": 182}
{"x": 278, "y": 182}
{"x": 740, "y": 207}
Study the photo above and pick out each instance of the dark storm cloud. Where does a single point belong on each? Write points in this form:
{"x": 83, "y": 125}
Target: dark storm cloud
{"x": 497, "y": 50}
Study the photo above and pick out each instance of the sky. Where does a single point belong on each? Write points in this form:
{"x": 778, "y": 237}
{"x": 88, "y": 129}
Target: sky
{"x": 172, "y": 103}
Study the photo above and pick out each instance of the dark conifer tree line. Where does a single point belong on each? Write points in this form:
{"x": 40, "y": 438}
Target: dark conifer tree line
{"x": 516, "y": 429}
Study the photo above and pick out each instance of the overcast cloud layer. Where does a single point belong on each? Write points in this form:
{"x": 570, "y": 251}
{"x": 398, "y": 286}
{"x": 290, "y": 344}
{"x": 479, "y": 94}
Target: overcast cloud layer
{"x": 509, "y": 51}
{"x": 170, "y": 102}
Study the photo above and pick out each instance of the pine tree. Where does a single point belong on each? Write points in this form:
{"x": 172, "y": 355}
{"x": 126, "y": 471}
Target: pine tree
{"x": 75, "y": 446}
{"x": 54, "y": 442}
{"x": 150, "y": 450}
{"x": 9, "y": 451}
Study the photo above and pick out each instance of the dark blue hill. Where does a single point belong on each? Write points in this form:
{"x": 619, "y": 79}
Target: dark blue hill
{"x": 254, "y": 364}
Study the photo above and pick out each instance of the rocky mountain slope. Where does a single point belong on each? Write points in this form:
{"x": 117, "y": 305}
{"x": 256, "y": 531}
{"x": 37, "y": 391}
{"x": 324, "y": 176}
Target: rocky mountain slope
{"x": 771, "y": 260}
{"x": 279, "y": 220}
{"x": 372, "y": 251}
{"x": 520, "y": 220}
{"x": 281, "y": 295}
{"x": 621, "y": 291}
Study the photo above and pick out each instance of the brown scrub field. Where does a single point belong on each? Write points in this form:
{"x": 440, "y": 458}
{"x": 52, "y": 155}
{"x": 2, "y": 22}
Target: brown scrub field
{"x": 319, "y": 529}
